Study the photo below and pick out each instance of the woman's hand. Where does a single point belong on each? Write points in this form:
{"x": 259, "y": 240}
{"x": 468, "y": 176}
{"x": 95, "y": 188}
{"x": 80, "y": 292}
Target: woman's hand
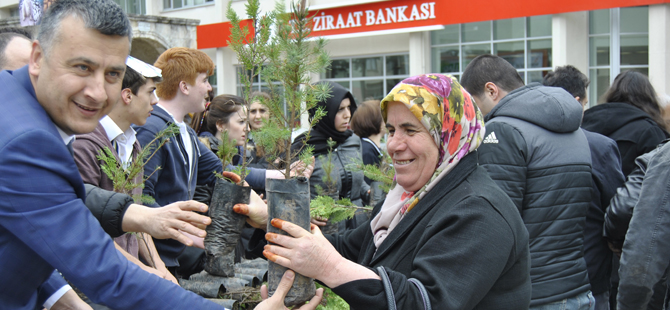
{"x": 300, "y": 168}
{"x": 308, "y": 253}
{"x": 311, "y": 254}
{"x": 256, "y": 211}
{"x": 276, "y": 302}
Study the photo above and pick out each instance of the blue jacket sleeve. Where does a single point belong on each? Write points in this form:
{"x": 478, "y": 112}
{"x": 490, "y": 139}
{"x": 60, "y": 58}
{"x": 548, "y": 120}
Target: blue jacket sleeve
{"x": 208, "y": 163}
{"x": 41, "y": 208}
{"x": 54, "y": 283}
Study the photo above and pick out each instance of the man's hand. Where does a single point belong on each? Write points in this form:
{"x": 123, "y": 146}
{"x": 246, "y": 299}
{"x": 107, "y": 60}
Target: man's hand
{"x": 168, "y": 221}
{"x": 276, "y": 302}
{"x": 256, "y": 211}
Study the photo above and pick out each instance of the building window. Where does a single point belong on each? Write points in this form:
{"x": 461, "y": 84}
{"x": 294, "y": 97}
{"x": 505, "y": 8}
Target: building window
{"x": 213, "y": 82}
{"x": 133, "y": 6}
{"x": 178, "y": 4}
{"x": 524, "y": 42}
{"x": 618, "y": 42}
{"x": 258, "y": 84}
{"x": 370, "y": 77}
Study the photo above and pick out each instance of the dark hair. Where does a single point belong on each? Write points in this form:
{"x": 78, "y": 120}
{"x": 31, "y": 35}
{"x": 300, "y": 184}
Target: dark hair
{"x": 134, "y": 80}
{"x": 24, "y": 31}
{"x": 5, "y": 38}
{"x": 490, "y": 68}
{"x": 367, "y": 119}
{"x": 105, "y": 16}
{"x": 568, "y": 78}
{"x": 635, "y": 89}
{"x": 219, "y": 111}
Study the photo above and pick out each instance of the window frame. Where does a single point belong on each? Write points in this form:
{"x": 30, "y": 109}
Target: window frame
{"x": 524, "y": 72}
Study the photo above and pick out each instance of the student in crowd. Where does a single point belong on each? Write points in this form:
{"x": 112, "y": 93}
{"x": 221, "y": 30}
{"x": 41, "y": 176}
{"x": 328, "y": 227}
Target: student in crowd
{"x": 446, "y": 236}
{"x": 114, "y": 133}
{"x": 73, "y": 79}
{"x": 631, "y": 116}
{"x": 606, "y": 178}
{"x": 258, "y": 114}
{"x": 185, "y": 161}
{"x": 368, "y": 124}
{"x": 334, "y": 126}
{"x": 536, "y": 152}
{"x": 227, "y": 113}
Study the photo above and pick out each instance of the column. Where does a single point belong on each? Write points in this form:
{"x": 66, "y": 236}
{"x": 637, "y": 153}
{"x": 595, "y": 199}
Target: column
{"x": 226, "y": 74}
{"x": 570, "y": 40}
{"x": 659, "y": 46}
{"x": 419, "y": 53}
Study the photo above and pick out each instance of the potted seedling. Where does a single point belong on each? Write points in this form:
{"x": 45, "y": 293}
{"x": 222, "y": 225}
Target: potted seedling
{"x": 327, "y": 204}
{"x": 125, "y": 179}
{"x": 286, "y": 62}
{"x": 223, "y": 233}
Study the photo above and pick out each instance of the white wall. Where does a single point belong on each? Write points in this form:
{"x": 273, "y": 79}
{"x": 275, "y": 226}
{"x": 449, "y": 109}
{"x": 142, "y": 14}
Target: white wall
{"x": 659, "y": 45}
{"x": 570, "y": 40}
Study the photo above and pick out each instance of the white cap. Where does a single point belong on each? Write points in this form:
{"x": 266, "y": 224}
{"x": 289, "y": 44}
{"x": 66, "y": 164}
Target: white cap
{"x": 143, "y": 68}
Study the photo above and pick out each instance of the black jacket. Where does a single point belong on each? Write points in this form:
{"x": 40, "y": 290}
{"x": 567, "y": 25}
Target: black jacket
{"x": 633, "y": 130}
{"x": 620, "y": 210}
{"x": 536, "y": 153}
{"x": 646, "y": 252}
{"x": 108, "y": 208}
{"x": 464, "y": 241}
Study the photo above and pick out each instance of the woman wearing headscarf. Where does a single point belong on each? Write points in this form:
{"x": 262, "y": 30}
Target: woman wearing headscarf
{"x": 445, "y": 235}
{"x": 345, "y": 181}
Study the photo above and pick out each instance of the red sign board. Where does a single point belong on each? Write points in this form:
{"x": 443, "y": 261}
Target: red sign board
{"x": 403, "y": 15}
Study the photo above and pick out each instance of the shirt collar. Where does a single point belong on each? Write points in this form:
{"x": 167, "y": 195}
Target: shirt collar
{"x": 111, "y": 128}
{"x": 114, "y": 131}
{"x": 66, "y": 138}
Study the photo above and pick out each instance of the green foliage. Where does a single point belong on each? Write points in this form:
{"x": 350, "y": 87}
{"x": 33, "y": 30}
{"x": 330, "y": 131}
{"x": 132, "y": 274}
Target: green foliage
{"x": 226, "y": 150}
{"x": 334, "y": 211}
{"x": 383, "y": 172}
{"x": 331, "y": 301}
{"x": 252, "y": 51}
{"x": 122, "y": 177}
{"x": 324, "y": 205}
{"x": 286, "y": 59}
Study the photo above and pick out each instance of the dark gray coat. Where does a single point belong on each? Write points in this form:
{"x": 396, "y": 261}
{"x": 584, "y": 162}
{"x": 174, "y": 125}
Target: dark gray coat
{"x": 536, "y": 153}
{"x": 464, "y": 241}
{"x": 349, "y": 182}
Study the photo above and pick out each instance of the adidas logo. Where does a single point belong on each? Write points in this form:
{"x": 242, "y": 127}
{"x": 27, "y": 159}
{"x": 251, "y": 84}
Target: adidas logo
{"x": 491, "y": 138}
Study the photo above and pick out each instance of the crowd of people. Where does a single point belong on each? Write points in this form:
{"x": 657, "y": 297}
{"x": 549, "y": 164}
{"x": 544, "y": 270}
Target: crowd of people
{"x": 505, "y": 195}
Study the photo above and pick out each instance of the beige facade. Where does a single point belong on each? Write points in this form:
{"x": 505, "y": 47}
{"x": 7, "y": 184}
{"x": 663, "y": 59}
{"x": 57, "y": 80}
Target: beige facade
{"x": 571, "y": 41}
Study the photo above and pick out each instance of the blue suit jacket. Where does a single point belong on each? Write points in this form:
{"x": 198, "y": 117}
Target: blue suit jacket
{"x": 44, "y": 223}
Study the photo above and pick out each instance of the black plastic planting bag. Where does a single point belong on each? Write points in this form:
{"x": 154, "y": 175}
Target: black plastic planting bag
{"x": 289, "y": 200}
{"x": 224, "y": 232}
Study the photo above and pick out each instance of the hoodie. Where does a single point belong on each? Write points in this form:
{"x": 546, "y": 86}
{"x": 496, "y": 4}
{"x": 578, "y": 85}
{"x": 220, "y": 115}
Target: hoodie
{"x": 634, "y": 131}
{"x": 536, "y": 152}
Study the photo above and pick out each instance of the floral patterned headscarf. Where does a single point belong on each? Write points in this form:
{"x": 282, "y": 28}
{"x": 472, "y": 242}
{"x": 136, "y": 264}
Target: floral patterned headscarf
{"x": 447, "y": 111}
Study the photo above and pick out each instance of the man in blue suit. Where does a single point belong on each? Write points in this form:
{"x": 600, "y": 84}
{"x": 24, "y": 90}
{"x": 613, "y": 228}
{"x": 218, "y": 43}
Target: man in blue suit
{"x": 73, "y": 78}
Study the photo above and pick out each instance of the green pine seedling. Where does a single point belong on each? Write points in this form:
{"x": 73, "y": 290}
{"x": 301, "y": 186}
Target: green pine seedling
{"x": 124, "y": 178}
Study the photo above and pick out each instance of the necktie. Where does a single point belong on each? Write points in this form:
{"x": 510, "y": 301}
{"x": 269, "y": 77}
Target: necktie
{"x": 70, "y": 148}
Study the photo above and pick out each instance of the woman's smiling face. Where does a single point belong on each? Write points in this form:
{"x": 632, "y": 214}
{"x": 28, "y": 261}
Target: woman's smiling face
{"x": 411, "y": 147}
